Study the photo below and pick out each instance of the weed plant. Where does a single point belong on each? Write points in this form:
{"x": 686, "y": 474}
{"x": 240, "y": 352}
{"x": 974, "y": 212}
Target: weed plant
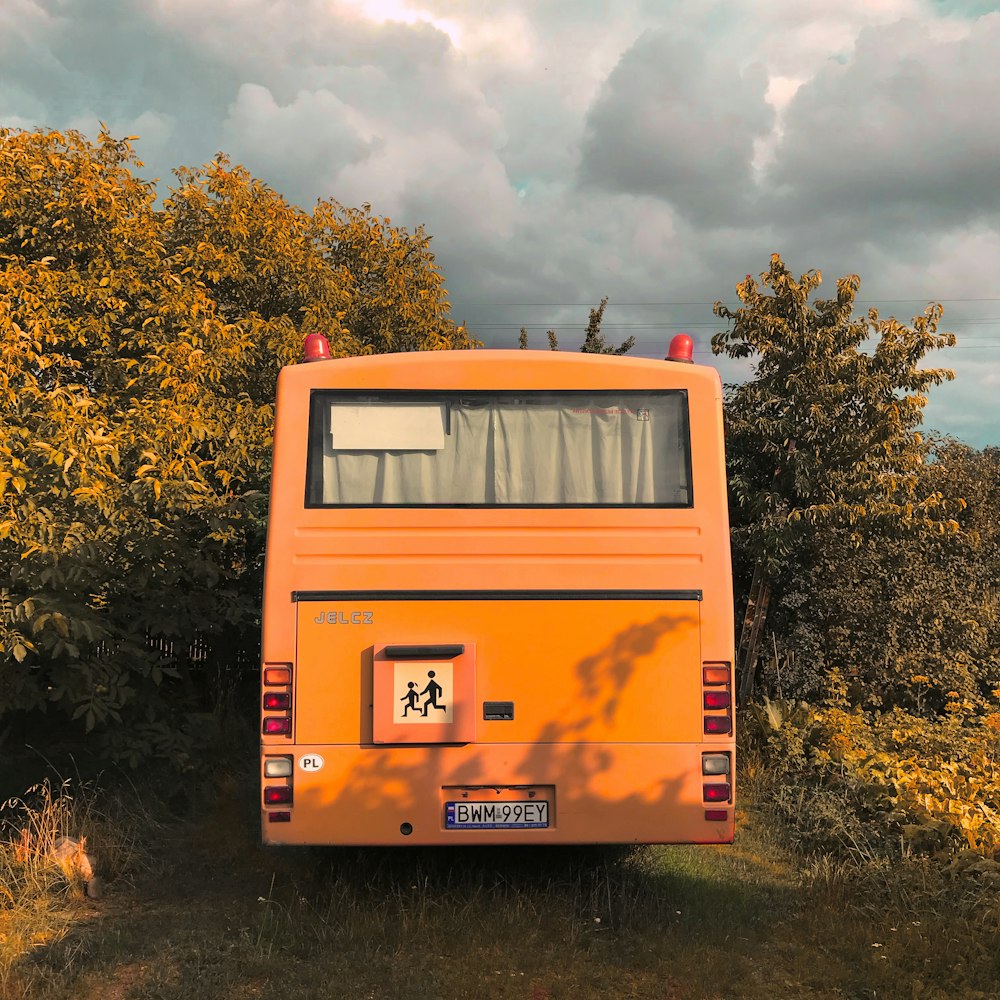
{"x": 895, "y": 802}
{"x": 823, "y": 894}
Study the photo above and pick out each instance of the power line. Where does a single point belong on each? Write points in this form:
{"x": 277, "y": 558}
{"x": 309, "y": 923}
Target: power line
{"x": 617, "y": 304}
{"x": 709, "y": 354}
{"x": 700, "y": 354}
{"x": 976, "y": 347}
{"x": 991, "y": 346}
{"x": 698, "y": 324}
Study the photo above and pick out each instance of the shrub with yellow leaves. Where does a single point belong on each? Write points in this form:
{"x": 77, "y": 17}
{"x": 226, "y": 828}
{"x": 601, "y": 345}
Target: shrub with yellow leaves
{"x": 885, "y": 784}
{"x": 139, "y": 352}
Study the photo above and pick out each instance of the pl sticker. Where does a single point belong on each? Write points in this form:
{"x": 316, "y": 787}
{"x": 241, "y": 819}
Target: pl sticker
{"x": 311, "y": 762}
{"x": 423, "y": 692}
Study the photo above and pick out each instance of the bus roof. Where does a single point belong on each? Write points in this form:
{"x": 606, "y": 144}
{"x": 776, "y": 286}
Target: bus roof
{"x": 510, "y": 369}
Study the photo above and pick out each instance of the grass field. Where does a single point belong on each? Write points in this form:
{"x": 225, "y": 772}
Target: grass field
{"x": 196, "y": 908}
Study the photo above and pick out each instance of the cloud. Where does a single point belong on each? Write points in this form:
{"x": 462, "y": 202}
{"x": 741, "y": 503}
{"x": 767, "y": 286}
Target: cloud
{"x": 560, "y": 152}
{"x": 902, "y": 136}
{"x": 677, "y": 122}
{"x": 306, "y": 143}
{"x": 966, "y": 407}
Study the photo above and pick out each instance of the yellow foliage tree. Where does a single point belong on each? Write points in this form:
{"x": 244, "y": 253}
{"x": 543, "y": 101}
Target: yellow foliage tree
{"x": 139, "y": 351}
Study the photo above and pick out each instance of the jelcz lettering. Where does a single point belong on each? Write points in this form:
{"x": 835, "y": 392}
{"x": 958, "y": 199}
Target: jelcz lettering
{"x": 345, "y": 618}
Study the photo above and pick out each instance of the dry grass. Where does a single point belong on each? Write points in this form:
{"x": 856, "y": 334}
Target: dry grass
{"x": 35, "y": 890}
{"x": 219, "y": 916}
{"x": 46, "y": 857}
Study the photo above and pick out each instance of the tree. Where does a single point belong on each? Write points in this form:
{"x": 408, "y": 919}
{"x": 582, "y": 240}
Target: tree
{"x": 139, "y": 351}
{"x": 522, "y": 340}
{"x": 824, "y": 430}
{"x": 906, "y": 619}
{"x": 369, "y": 286}
{"x": 823, "y": 452}
{"x": 593, "y": 341}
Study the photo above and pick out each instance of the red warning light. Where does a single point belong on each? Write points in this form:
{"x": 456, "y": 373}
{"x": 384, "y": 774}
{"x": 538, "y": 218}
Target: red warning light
{"x": 316, "y": 348}
{"x": 681, "y": 349}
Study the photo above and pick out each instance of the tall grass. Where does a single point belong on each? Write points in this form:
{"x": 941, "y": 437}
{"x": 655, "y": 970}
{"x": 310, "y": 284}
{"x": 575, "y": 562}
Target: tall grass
{"x": 215, "y": 914}
{"x": 44, "y": 835}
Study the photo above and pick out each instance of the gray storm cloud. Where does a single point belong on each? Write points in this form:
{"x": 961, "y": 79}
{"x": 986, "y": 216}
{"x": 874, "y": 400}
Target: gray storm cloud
{"x": 679, "y": 123}
{"x": 906, "y": 133}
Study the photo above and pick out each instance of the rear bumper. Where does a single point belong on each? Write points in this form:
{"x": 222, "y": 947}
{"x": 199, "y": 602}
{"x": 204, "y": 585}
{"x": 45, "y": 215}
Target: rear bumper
{"x": 615, "y": 793}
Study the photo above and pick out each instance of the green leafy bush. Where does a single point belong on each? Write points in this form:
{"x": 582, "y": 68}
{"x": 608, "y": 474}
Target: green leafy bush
{"x": 882, "y": 785}
{"x": 906, "y": 619}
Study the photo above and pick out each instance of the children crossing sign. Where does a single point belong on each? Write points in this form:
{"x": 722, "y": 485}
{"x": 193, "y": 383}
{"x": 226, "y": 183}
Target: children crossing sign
{"x": 424, "y": 692}
{"x": 424, "y": 700}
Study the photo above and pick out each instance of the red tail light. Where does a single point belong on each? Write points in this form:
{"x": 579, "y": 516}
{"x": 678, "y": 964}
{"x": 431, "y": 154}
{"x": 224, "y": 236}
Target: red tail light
{"x": 713, "y": 699}
{"x": 279, "y": 700}
{"x": 718, "y": 792}
{"x": 278, "y": 795}
{"x": 277, "y": 726}
{"x": 718, "y": 725}
{"x": 716, "y": 676}
{"x": 716, "y": 815}
{"x": 279, "y": 817}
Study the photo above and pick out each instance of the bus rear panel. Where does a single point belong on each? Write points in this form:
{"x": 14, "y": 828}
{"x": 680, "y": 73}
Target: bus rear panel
{"x": 498, "y": 603}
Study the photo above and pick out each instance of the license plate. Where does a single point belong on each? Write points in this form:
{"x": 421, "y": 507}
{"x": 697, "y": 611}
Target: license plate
{"x": 496, "y": 815}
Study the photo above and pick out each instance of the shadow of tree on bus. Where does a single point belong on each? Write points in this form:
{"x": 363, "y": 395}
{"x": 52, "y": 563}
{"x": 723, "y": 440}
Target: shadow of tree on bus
{"x": 583, "y": 737}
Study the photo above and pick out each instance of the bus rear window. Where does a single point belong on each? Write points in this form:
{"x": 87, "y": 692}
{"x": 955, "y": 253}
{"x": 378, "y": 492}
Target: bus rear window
{"x": 491, "y": 449}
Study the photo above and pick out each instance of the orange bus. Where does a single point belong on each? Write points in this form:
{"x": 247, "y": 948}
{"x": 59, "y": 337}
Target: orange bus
{"x": 498, "y": 601}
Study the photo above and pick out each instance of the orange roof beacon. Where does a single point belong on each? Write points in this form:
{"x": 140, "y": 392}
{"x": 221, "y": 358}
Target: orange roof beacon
{"x": 498, "y": 601}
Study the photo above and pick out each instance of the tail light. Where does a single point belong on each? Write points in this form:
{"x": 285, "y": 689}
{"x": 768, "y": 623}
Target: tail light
{"x": 277, "y": 767}
{"x": 278, "y": 793}
{"x": 715, "y": 763}
{"x": 277, "y": 697}
{"x": 717, "y": 698}
{"x": 717, "y": 720}
{"x": 281, "y": 795}
{"x": 277, "y": 675}
{"x": 715, "y": 673}
{"x": 716, "y": 792}
{"x": 718, "y": 725}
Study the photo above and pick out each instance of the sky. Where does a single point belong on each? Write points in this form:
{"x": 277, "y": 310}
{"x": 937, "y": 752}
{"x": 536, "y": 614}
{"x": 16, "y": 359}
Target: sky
{"x": 558, "y": 151}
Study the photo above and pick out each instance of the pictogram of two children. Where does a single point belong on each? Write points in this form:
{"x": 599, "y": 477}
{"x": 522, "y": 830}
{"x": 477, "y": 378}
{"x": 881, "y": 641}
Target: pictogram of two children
{"x": 433, "y": 692}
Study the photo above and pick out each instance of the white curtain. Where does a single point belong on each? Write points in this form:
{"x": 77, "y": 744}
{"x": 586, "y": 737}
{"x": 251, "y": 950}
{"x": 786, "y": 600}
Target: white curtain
{"x": 576, "y": 450}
